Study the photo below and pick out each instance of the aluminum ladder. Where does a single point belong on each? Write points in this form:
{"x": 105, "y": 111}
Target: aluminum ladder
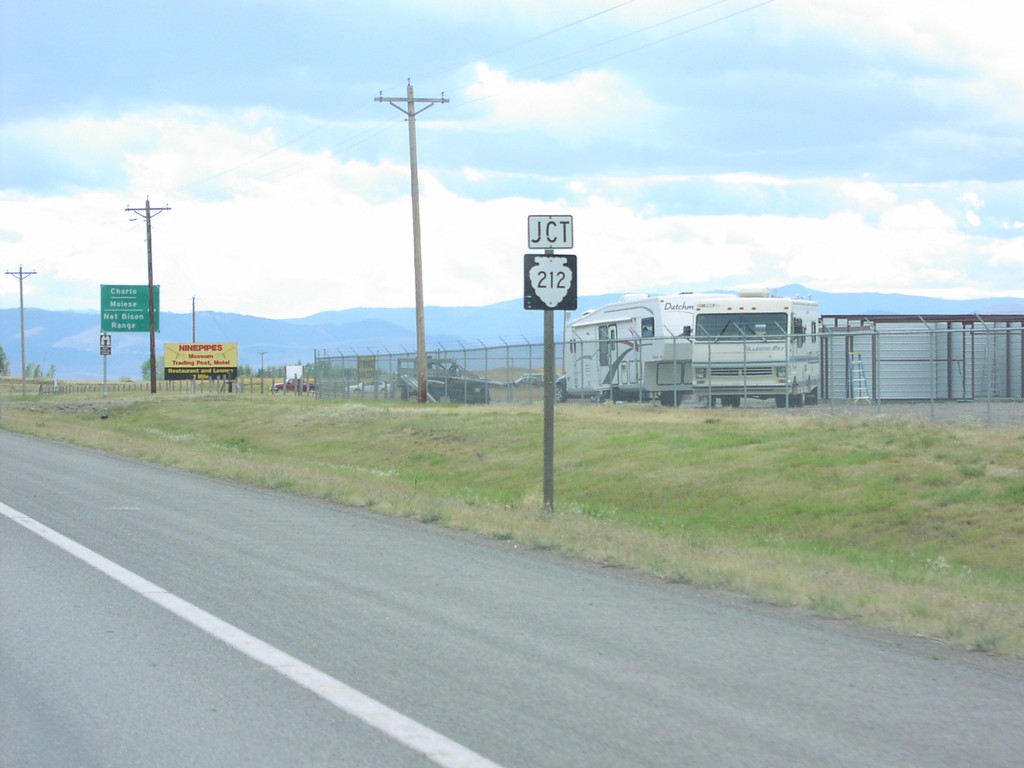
{"x": 860, "y": 392}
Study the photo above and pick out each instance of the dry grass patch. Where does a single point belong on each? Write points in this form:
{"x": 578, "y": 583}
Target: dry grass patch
{"x": 913, "y": 526}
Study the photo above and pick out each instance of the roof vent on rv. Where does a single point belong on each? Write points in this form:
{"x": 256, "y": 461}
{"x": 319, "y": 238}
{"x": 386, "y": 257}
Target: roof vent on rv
{"x": 634, "y": 296}
{"x": 761, "y": 294}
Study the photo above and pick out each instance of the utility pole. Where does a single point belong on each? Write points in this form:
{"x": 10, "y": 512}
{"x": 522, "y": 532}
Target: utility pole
{"x": 193, "y": 319}
{"x": 410, "y": 110}
{"x": 149, "y": 213}
{"x": 21, "y": 274}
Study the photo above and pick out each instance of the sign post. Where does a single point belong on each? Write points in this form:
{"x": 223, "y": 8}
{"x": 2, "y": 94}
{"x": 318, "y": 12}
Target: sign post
{"x": 105, "y": 349}
{"x": 549, "y": 284}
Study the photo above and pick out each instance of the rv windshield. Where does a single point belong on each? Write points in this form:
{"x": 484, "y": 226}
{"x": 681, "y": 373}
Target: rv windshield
{"x": 741, "y": 325}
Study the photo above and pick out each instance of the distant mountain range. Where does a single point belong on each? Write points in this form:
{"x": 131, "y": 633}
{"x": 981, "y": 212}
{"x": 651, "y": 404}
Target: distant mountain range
{"x": 69, "y": 340}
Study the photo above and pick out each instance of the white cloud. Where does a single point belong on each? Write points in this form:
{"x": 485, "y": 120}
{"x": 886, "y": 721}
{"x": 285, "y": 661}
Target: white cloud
{"x": 298, "y": 232}
{"x": 868, "y": 194}
{"x": 972, "y": 201}
{"x": 977, "y": 39}
{"x": 1007, "y": 253}
{"x": 314, "y": 243}
{"x": 589, "y": 104}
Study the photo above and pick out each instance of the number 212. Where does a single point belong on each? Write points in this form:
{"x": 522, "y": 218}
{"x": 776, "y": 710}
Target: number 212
{"x": 551, "y": 280}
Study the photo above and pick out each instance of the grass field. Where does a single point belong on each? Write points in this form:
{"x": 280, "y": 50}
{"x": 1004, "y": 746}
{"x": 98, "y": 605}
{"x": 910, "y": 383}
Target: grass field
{"x": 916, "y": 527}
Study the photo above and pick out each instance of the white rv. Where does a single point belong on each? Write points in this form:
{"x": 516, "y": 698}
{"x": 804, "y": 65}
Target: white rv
{"x": 677, "y": 347}
{"x": 758, "y": 346}
{"x": 633, "y": 349}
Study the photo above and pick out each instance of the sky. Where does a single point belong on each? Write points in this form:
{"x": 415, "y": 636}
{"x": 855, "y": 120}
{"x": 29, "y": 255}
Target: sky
{"x": 698, "y": 145}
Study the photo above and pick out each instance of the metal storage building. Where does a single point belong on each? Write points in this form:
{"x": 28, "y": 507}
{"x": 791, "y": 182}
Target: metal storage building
{"x": 922, "y": 357}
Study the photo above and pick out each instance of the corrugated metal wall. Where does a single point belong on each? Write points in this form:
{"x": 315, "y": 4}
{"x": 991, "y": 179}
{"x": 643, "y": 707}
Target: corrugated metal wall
{"x": 961, "y": 357}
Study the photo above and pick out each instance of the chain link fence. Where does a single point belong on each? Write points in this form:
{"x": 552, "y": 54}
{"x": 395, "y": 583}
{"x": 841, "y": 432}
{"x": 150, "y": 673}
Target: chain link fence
{"x": 507, "y": 373}
{"x": 890, "y": 363}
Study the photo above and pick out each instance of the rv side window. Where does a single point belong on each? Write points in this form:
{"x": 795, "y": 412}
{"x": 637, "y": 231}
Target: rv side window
{"x": 647, "y": 327}
{"x": 605, "y": 337}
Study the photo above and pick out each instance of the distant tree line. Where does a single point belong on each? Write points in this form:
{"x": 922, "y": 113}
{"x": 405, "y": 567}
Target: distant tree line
{"x": 32, "y": 370}
{"x": 35, "y": 370}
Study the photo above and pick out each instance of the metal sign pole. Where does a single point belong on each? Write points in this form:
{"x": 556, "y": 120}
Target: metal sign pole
{"x": 105, "y": 349}
{"x": 549, "y": 408}
{"x": 549, "y": 283}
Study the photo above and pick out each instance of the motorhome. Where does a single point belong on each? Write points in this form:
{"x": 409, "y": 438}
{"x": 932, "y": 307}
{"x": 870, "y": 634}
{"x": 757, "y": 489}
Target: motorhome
{"x": 710, "y": 346}
{"x": 756, "y": 346}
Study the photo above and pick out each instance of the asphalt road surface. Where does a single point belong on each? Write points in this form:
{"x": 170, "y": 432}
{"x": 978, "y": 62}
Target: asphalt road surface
{"x": 153, "y": 617}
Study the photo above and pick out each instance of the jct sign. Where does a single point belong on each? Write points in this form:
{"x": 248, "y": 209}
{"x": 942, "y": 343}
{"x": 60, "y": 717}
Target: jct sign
{"x": 549, "y": 231}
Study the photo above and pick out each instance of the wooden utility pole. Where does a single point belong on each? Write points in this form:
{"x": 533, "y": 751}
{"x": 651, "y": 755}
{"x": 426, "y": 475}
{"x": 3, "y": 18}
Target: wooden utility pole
{"x": 21, "y": 274}
{"x": 149, "y": 213}
{"x": 410, "y": 110}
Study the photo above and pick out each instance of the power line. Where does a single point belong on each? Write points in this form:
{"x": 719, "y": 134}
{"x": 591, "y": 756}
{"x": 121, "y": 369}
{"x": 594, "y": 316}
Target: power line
{"x": 620, "y": 54}
{"x": 370, "y": 132}
{"x": 251, "y": 160}
{"x": 360, "y": 138}
{"x": 529, "y": 40}
{"x": 380, "y": 128}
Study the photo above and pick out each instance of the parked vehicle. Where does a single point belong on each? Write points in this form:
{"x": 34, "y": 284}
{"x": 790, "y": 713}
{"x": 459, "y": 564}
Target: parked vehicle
{"x": 686, "y": 345}
{"x": 757, "y": 346}
{"x": 291, "y": 386}
{"x": 446, "y": 380}
{"x": 529, "y": 380}
{"x": 368, "y": 388}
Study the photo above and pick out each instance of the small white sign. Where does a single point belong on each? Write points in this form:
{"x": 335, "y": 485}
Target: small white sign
{"x": 549, "y": 232}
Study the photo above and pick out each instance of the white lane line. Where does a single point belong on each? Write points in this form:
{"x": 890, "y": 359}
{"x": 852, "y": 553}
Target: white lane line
{"x": 439, "y": 749}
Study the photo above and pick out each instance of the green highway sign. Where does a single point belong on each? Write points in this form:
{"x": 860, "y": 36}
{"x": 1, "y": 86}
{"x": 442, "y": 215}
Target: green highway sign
{"x": 125, "y": 308}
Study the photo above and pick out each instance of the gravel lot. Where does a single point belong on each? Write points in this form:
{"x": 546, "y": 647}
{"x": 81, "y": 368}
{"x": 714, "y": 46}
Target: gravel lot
{"x": 1001, "y": 413}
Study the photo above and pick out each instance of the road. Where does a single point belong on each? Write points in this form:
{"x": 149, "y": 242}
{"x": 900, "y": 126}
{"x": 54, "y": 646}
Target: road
{"x": 516, "y": 657}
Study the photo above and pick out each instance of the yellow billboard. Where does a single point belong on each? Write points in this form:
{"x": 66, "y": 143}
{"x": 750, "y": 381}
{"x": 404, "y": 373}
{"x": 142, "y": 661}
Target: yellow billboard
{"x": 217, "y": 360}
